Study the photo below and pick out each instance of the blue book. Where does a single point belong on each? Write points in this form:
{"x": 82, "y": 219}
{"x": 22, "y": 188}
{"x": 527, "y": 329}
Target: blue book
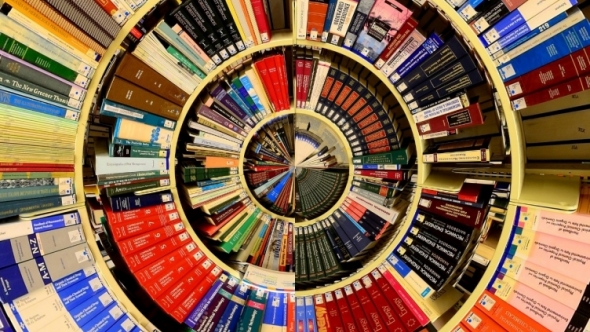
{"x": 243, "y": 93}
{"x": 274, "y": 193}
{"x": 105, "y": 319}
{"x": 54, "y": 222}
{"x": 523, "y": 16}
{"x": 522, "y": 34}
{"x": 569, "y": 41}
{"x": 231, "y": 315}
{"x": 80, "y": 292}
{"x": 132, "y": 202}
{"x": 87, "y": 310}
{"x": 300, "y": 323}
{"x": 352, "y": 250}
{"x": 235, "y": 96}
{"x": 310, "y": 313}
{"x": 111, "y": 108}
{"x": 250, "y": 88}
{"x": 432, "y": 43}
{"x": 273, "y": 312}
{"x": 193, "y": 318}
{"x": 141, "y": 144}
{"x": 11, "y": 97}
{"x": 391, "y": 167}
{"x": 328, "y": 21}
{"x": 74, "y": 278}
{"x": 356, "y": 224}
{"x": 124, "y": 324}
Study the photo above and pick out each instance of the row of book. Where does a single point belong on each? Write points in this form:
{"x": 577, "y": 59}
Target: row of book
{"x": 52, "y": 282}
{"x": 525, "y": 282}
{"x": 48, "y": 55}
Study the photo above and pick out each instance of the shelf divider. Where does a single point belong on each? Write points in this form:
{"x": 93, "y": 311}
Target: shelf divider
{"x": 549, "y": 191}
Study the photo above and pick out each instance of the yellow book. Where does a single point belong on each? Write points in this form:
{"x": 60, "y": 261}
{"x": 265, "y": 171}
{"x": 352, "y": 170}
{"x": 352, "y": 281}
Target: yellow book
{"x": 208, "y": 206}
{"x": 247, "y": 38}
{"x": 54, "y": 29}
{"x": 229, "y": 232}
{"x": 137, "y": 131}
{"x": 259, "y": 89}
{"x": 249, "y": 13}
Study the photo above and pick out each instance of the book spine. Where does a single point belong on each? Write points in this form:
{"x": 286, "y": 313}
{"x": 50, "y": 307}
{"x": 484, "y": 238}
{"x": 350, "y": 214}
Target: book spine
{"x": 94, "y": 12}
{"x": 328, "y": 21}
{"x": 18, "y": 84}
{"x": 469, "y": 216}
{"x": 467, "y": 117}
{"x": 301, "y": 14}
{"x": 356, "y": 310}
{"x": 570, "y": 40}
{"x": 109, "y": 7}
{"x": 357, "y": 23}
{"x": 224, "y": 44}
{"x": 261, "y": 20}
{"x": 489, "y": 18}
{"x": 447, "y": 54}
{"x": 24, "y": 70}
{"x": 475, "y": 320}
{"x": 568, "y": 67}
{"x": 126, "y": 203}
{"x": 456, "y": 86}
{"x": 404, "y": 31}
{"x": 410, "y": 45}
{"x": 27, "y": 206}
{"x": 343, "y": 15}
{"x": 110, "y": 108}
{"x": 576, "y": 85}
{"x": 193, "y": 24}
{"x": 229, "y": 23}
{"x": 431, "y": 44}
{"x": 446, "y": 107}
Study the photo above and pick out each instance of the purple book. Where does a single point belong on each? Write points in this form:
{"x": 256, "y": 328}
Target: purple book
{"x": 213, "y": 313}
{"x": 209, "y": 114}
{"x": 199, "y": 310}
{"x": 220, "y": 94}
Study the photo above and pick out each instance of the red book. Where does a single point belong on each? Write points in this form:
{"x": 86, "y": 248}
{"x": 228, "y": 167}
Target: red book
{"x": 387, "y": 313}
{"x": 408, "y": 319}
{"x": 392, "y": 175}
{"x": 567, "y": 88}
{"x": 291, "y": 312}
{"x": 376, "y": 136}
{"x": 268, "y": 168}
{"x": 172, "y": 298}
{"x": 206, "y": 276}
{"x": 468, "y": 117}
{"x": 115, "y": 218}
{"x": 316, "y": 16}
{"x": 290, "y": 248}
{"x": 256, "y": 258}
{"x": 282, "y": 65}
{"x": 126, "y": 230}
{"x": 299, "y": 62}
{"x": 373, "y": 316}
{"x": 266, "y": 79}
{"x": 562, "y": 69}
{"x": 334, "y": 318}
{"x": 505, "y": 314}
{"x": 460, "y": 328}
{"x": 155, "y": 288}
{"x": 142, "y": 259}
{"x": 363, "y": 113}
{"x": 215, "y": 219}
{"x": 409, "y": 25}
{"x": 356, "y": 311}
{"x": 373, "y": 150}
{"x": 369, "y": 120}
{"x": 261, "y": 20}
{"x": 273, "y": 73}
{"x": 321, "y": 313}
{"x": 108, "y": 6}
{"x": 328, "y": 83}
{"x": 210, "y": 229}
{"x": 477, "y": 321}
{"x": 146, "y": 240}
{"x": 469, "y": 192}
{"x": 345, "y": 313}
{"x": 160, "y": 266}
{"x": 466, "y": 215}
{"x": 406, "y": 299}
{"x": 307, "y": 67}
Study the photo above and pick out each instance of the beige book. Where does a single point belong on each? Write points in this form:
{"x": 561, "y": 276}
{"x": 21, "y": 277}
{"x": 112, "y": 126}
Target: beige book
{"x": 137, "y": 131}
{"x": 574, "y": 100}
{"x": 208, "y": 206}
{"x": 568, "y": 126}
{"x": 247, "y": 7}
{"x": 570, "y": 151}
{"x": 224, "y": 232}
{"x": 259, "y": 89}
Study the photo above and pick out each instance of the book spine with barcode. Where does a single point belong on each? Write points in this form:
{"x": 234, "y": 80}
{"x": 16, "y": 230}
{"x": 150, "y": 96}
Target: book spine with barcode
{"x": 393, "y": 46}
{"x": 487, "y": 19}
{"x": 75, "y": 15}
{"x": 357, "y": 22}
{"x": 225, "y": 46}
{"x": 407, "y": 47}
{"x": 343, "y": 15}
{"x": 432, "y": 43}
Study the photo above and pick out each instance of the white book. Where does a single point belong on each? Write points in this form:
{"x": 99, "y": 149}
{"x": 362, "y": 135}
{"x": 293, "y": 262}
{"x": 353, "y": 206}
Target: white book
{"x": 302, "y": 7}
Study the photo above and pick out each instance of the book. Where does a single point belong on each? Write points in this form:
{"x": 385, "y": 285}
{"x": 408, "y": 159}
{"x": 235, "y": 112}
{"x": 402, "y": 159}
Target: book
{"x": 478, "y": 150}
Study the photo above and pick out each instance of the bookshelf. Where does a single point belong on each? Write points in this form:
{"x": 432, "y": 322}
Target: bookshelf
{"x": 549, "y": 186}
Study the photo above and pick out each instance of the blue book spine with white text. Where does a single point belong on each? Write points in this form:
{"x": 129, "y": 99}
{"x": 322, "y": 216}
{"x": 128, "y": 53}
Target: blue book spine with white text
{"x": 141, "y": 144}
{"x": 250, "y": 88}
{"x": 54, "y": 222}
{"x": 110, "y": 108}
{"x": 235, "y": 96}
{"x": 310, "y": 313}
{"x": 231, "y": 315}
{"x": 87, "y": 310}
{"x": 432, "y": 43}
{"x": 74, "y": 278}
{"x": 105, "y": 319}
{"x": 328, "y": 21}
{"x": 11, "y": 98}
{"x": 198, "y": 311}
{"x": 522, "y": 34}
{"x": 273, "y": 311}
{"x": 82, "y": 291}
{"x": 569, "y": 41}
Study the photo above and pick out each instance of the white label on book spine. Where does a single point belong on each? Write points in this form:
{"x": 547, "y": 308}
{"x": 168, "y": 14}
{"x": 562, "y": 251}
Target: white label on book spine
{"x": 467, "y": 12}
{"x": 452, "y": 105}
{"x": 379, "y": 63}
{"x": 473, "y": 320}
{"x": 264, "y": 37}
{"x": 116, "y": 312}
{"x": 481, "y": 25}
{"x": 519, "y": 104}
{"x": 514, "y": 89}
{"x": 95, "y": 284}
{"x": 75, "y": 236}
{"x": 82, "y": 256}
{"x": 68, "y": 200}
{"x": 435, "y": 135}
{"x": 105, "y": 299}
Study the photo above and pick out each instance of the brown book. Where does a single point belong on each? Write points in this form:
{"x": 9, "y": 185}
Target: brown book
{"x": 137, "y": 72}
{"x": 121, "y": 91}
{"x": 566, "y": 151}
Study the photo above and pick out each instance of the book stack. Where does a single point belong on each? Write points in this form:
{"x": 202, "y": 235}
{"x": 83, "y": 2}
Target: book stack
{"x": 53, "y": 284}
{"x": 518, "y": 273}
{"x": 444, "y": 231}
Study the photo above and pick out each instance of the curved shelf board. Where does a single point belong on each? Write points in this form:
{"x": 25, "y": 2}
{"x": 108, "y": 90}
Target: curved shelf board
{"x": 85, "y": 109}
{"x": 106, "y": 275}
{"x": 517, "y": 149}
{"x": 490, "y": 271}
{"x": 403, "y": 228}
{"x": 423, "y": 169}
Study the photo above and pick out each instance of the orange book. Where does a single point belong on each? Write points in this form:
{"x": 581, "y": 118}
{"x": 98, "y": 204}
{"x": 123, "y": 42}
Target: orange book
{"x": 506, "y": 315}
{"x": 458, "y": 328}
{"x": 477, "y": 321}
{"x": 291, "y": 312}
{"x": 55, "y": 28}
{"x": 316, "y": 16}
{"x": 253, "y": 31}
{"x": 220, "y": 162}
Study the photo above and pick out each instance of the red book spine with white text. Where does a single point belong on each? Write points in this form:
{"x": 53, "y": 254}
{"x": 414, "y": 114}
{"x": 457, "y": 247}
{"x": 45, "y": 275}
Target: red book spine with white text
{"x": 266, "y": 79}
{"x": 333, "y": 313}
{"x": 345, "y": 313}
{"x": 387, "y": 313}
{"x": 362, "y": 322}
{"x": 562, "y": 69}
{"x": 477, "y": 321}
{"x": 145, "y": 257}
{"x": 407, "y": 318}
{"x": 567, "y": 88}
{"x": 261, "y": 20}
{"x": 162, "y": 265}
{"x": 373, "y": 316}
{"x": 299, "y": 62}
{"x": 146, "y": 240}
{"x": 207, "y": 275}
{"x": 409, "y": 25}
{"x": 464, "y": 118}
{"x": 307, "y": 67}
{"x": 282, "y": 72}
{"x": 392, "y": 175}
{"x": 129, "y": 229}
{"x": 273, "y": 73}
{"x": 137, "y": 214}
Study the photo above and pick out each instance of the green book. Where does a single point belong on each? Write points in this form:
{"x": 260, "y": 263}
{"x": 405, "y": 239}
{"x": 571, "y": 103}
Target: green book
{"x": 247, "y": 232}
{"x": 17, "y": 194}
{"x": 253, "y": 312}
{"x": 231, "y": 243}
{"x": 375, "y": 188}
{"x": 32, "y": 56}
{"x": 31, "y": 205}
{"x": 401, "y": 157}
{"x": 185, "y": 62}
{"x": 120, "y": 150}
{"x": 133, "y": 187}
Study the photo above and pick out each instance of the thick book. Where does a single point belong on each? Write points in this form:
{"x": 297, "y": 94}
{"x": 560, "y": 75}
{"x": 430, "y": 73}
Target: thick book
{"x": 358, "y": 22}
{"x": 566, "y": 88}
{"x": 505, "y": 314}
{"x": 470, "y": 216}
{"x": 477, "y": 150}
{"x": 464, "y": 118}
